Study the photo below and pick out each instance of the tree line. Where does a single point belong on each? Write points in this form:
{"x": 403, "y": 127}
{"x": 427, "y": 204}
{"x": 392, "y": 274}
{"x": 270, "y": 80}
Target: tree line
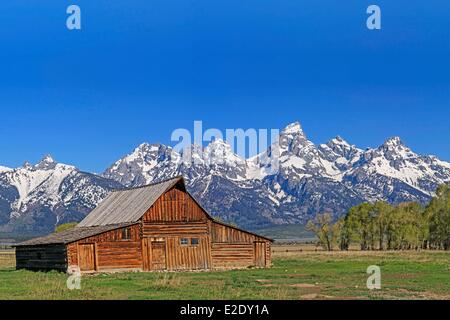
{"x": 381, "y": 226}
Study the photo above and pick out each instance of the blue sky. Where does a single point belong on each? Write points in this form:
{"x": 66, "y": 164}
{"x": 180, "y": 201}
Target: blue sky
{"x": 140, "y": 69}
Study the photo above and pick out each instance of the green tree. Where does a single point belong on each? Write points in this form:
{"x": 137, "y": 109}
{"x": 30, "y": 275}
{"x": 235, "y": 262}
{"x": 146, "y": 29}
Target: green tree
{"x": 409, "y": 225}
{"x": 344, "y": 234}
{"x": 65, "y": 226}
{"x": 405, "y": 226}
{"x": 438, "y": 213}
{"x": 382, "y": 217}
{"x": 360, "y": 224}
{"x": 326, "y": 232}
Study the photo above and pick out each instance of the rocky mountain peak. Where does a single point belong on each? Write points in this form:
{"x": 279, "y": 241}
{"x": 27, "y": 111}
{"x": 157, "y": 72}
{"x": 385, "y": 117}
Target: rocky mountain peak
{"x": 393, "y": 142}
{"x": 27, "y": 165}
{"x": 47, "y": 163}
{"x": 145, "y": 155}
{"x": 220, "y": 152}
{"x": 338, "y": 147}
{"x": 394, "y": 149}
{"x": 339, "y": 141}
{"x": 147, "y": 163}
{"x": 219, "y": 145}
{"x": 293, "y": 128}
{"x": 146, "y": 147}
{"x": 293, "y": 140}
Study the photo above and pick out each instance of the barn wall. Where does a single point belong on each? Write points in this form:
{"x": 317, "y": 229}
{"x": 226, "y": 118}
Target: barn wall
{"x": 173, "y": 229}
{"x": 232, "y": 255}
{"x": 224, "y": 234}
{"x": 42, "y": 258}
{"x": 119, "y": 255}
{"x": 175, "y": 216}
{"x": 180, "y": 257}
{"x": 268, "y": 254}
{"x": 112, "y": 252}
{"x": 238, "y": 255}
{"x": 188, "y": 257}
{"x": 233, "y": 248}
{"x": 175, "y": 206}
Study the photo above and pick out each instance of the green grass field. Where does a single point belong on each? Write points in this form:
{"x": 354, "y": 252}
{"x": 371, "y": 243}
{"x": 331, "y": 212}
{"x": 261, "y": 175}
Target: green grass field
{"x": 296, "y": 275}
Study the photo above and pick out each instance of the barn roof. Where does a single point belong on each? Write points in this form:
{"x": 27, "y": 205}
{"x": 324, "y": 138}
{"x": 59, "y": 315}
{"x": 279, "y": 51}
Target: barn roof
{"x": 123, "y": 206}
{"x": 72, "y": 235}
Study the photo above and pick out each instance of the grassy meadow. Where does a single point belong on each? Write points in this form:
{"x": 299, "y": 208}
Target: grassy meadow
{"x": 299, "y": 272}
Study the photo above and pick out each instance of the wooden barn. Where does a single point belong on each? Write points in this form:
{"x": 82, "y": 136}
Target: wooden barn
{"x": 152, "y": 228}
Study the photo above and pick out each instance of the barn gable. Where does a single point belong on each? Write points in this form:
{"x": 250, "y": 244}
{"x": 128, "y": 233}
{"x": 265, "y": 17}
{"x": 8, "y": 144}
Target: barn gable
{"x": 125, "y": 206}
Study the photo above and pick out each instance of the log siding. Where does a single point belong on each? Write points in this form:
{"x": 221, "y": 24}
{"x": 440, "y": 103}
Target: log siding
{"x": 42, "y": 258}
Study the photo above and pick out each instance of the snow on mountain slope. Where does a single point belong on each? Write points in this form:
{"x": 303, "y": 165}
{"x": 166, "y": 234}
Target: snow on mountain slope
{"x": 339, "y": 153}
{"x": 298, "y": 156}
{"x": 41, "y": 179}
{"x": 399, "y": 163}
{"x": 4, "y": 169}
{"x": 147, "y": 163}
{"x": 49, "y": 191}
{"x": 222, "y": 161}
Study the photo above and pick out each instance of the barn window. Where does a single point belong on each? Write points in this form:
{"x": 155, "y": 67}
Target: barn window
{"x": 126, "y": 234}
{"x": 195, "y": 241}
{"x": 184, "y": 241}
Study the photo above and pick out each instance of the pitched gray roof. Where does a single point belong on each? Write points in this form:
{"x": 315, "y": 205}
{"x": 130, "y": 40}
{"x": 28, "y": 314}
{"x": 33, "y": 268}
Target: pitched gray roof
{"x": 72, "y": 235}
{"x": 128, "y": 205}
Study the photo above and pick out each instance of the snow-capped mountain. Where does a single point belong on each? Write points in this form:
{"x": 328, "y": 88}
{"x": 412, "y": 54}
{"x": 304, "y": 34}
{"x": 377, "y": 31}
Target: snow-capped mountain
{"x": 395, "y": 173}
{"x": 153, "y": 162}
{"x": 307, "y": 182}
{"x": 35, "y": 198}
{"x": 340, "y": 153}
{"x": 290, "y": 182}
{"x": 147, "y": 163}
{"x": 298, "y": 157}
{"x": 329, "y": 177}
{"x": 4, "y": 169}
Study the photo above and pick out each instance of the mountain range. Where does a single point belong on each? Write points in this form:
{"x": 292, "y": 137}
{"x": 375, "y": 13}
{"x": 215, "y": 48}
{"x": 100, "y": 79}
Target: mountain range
{"x": 311, "y": 178}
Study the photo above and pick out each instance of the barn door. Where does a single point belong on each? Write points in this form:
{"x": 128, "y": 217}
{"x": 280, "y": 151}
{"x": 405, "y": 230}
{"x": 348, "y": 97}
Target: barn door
{"x": 158, "y": 259}
{"x": 86, "y": 257}
{"x": 260, "y": 254}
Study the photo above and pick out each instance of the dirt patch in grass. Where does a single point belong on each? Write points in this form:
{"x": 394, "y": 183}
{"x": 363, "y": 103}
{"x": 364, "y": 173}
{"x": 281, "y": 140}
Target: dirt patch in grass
{"x": 263, "y": 280}
{"x": 434, "y": 296}
{"x": 401, "y": 276}
{"x": 318, "y": 296}
{"x": 303, "y": 285}
{"x": 427, "y": 295}
{"x": 271, "y": 285}
{"x": 309, "y": 296}
{"x": 297, "y": 275}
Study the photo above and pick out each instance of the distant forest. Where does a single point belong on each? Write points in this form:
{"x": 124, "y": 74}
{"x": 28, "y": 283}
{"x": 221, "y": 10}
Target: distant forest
{"x": 381, "y": 226}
